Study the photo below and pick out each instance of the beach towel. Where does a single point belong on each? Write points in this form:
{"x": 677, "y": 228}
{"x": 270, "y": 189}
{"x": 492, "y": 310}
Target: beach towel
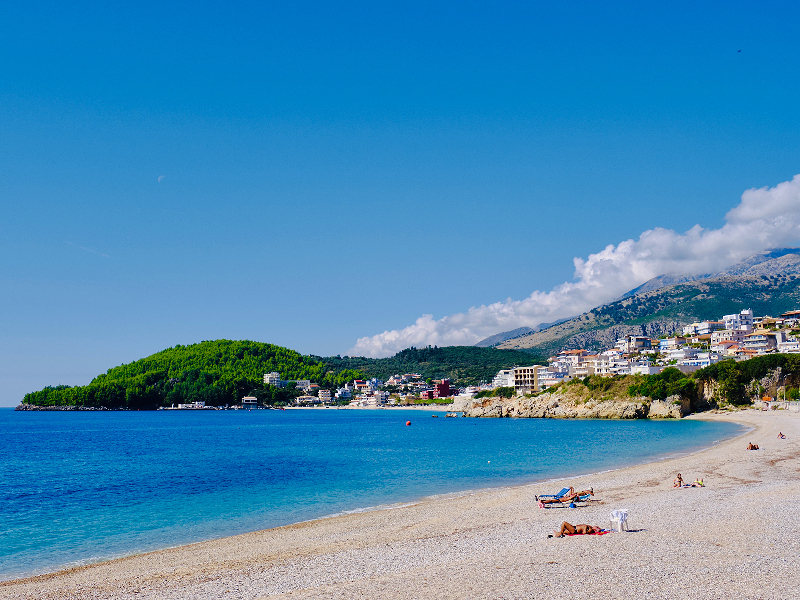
{"x": 601, "y": 532}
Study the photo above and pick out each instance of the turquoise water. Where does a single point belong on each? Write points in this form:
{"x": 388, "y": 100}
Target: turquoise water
{"x": 78, "y": 487}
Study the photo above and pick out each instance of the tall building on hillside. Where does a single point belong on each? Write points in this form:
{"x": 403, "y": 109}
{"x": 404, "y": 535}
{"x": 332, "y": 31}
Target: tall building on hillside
{"x": 741, "y": 322}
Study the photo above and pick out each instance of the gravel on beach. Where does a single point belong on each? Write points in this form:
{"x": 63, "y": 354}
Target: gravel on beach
{"x": 735, "y": 538}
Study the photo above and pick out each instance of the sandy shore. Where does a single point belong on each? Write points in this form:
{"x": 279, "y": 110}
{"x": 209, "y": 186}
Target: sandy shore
{"x": 735, "y": 538}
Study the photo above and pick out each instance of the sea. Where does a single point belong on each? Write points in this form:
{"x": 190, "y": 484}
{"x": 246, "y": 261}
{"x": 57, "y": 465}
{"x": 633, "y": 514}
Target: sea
{"x": 82, "y": 487}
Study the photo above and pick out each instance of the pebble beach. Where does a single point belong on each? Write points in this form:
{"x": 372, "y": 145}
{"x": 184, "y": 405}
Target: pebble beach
{"x": 734, "y": 538}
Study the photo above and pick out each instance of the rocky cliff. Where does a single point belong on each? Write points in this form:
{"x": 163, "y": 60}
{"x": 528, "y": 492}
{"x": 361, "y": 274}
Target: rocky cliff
{"x": 559, "y": 405}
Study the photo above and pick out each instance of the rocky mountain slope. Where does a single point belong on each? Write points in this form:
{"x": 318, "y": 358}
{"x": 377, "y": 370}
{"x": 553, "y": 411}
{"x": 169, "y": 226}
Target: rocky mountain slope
{"x": 768, "y": 284}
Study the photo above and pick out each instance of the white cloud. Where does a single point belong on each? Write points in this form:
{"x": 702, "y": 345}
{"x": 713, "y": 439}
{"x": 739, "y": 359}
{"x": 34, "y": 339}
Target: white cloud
{"x": 765, "y": 218}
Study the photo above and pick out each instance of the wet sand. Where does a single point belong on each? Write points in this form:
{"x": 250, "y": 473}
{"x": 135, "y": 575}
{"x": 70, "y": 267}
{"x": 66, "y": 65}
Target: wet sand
{"x": 735, "y": 538}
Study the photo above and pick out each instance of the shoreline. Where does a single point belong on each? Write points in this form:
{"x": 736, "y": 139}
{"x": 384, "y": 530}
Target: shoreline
{"x": 233, "y": 560}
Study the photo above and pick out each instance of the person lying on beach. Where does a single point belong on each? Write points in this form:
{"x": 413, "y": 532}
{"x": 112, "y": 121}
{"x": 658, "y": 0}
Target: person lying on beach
{"x": 582, "y": 529}
{"x": 570, "y": 496}
{"x": 678, "y": 481}
{"x": 697, "y": 483}
{"x": 781, "y": 436}
{"x": 752, "y": 446}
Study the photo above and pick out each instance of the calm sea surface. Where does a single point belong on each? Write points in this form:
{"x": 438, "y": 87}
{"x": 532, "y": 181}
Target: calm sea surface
{"x": 78, "y": 487}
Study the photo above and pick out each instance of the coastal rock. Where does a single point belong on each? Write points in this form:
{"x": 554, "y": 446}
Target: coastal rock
{"x": 667, "y": 409}
{"x": 558, "y": 406}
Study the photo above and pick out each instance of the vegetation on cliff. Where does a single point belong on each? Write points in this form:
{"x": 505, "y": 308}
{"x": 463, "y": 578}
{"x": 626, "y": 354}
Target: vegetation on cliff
{"x": 669, "y": 382}
{"x": 501, "y": 392}
{"x": 741, "y": 382}
{"x": 730, "y": 382}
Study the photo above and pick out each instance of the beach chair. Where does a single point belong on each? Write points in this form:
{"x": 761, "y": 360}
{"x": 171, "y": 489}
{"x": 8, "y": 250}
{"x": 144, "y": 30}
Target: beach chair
{"x": 560, "y": 500}
{"x": 556, "y": 496}
{"x": 619, "y": 520}
{"x": 584, "y": 498}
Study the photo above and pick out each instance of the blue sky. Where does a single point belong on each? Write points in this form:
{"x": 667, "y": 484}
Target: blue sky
{"x": 334, "y": 170}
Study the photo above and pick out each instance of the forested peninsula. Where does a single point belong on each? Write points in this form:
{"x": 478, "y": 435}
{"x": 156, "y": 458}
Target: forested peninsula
{"x": 221, "y": 372}
{"x": 216, "y": 372}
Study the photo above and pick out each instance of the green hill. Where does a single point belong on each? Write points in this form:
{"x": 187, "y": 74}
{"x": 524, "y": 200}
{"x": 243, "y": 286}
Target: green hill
{"x": 464, "y": 365}
{"x": 217, "y": 372}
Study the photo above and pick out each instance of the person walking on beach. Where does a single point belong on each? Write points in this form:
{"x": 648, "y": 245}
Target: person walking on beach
{"x": 582, "y": 529}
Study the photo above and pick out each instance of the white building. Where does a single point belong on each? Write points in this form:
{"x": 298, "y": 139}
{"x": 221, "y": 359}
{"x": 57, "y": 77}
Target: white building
{"x": 727, "y": 335}
{"x": 192, "y": 405}
{"x": 380, "y": 398}
{"x": 700, "y": 360}
{"x": 546, "y": 378}
{"x": 741, "y": 322}
{"x": 668, "y": 344}
{"x": 681, "y": 354}
{"x": 703, "y": 328}
{"x": 272, "y": 378}
{"x": 504, "y": 378}
{"x": 645, "y": 368}
{"x": 324, "y": 396}
{"x": 306, "y": 400}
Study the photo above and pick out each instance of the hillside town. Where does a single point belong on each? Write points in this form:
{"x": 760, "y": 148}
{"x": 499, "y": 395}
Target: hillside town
{"x": 738, "y": 336}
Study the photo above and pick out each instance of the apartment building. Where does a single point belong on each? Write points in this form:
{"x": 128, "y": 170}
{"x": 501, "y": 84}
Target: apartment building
{"x": 740, "y": 322}
{"x": 703, "y": 328}
{"x": 272, "y": 378}
{"x": 727, "y": 335}
{"x": 504, "y": 378}
{"x": 669, "y": 344}
{"x": 526, "y": 379}
{"x": 760, "y": 341}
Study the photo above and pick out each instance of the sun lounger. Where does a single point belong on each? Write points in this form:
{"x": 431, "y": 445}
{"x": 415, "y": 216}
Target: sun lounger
{"x": 561, "y": 501}
{"x": 563, "y": 492}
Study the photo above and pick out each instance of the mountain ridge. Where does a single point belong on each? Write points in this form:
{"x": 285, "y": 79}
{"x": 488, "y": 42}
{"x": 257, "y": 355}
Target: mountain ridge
{"x": 767, "y": 284}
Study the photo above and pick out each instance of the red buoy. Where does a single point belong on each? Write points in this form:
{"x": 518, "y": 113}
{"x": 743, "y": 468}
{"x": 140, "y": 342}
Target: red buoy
{"x": 408, "y": 422}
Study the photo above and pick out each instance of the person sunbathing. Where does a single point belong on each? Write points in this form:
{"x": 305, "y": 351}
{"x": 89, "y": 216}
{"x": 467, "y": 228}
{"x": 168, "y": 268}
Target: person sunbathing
{"x": 678, "y": 481}
{"x": 582, "y": 529}
{"x": 781, "y": 436}
{"x": 697, "y": 483}
{"x": 570, "y": 496}
{"x": 752, "y": 446}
